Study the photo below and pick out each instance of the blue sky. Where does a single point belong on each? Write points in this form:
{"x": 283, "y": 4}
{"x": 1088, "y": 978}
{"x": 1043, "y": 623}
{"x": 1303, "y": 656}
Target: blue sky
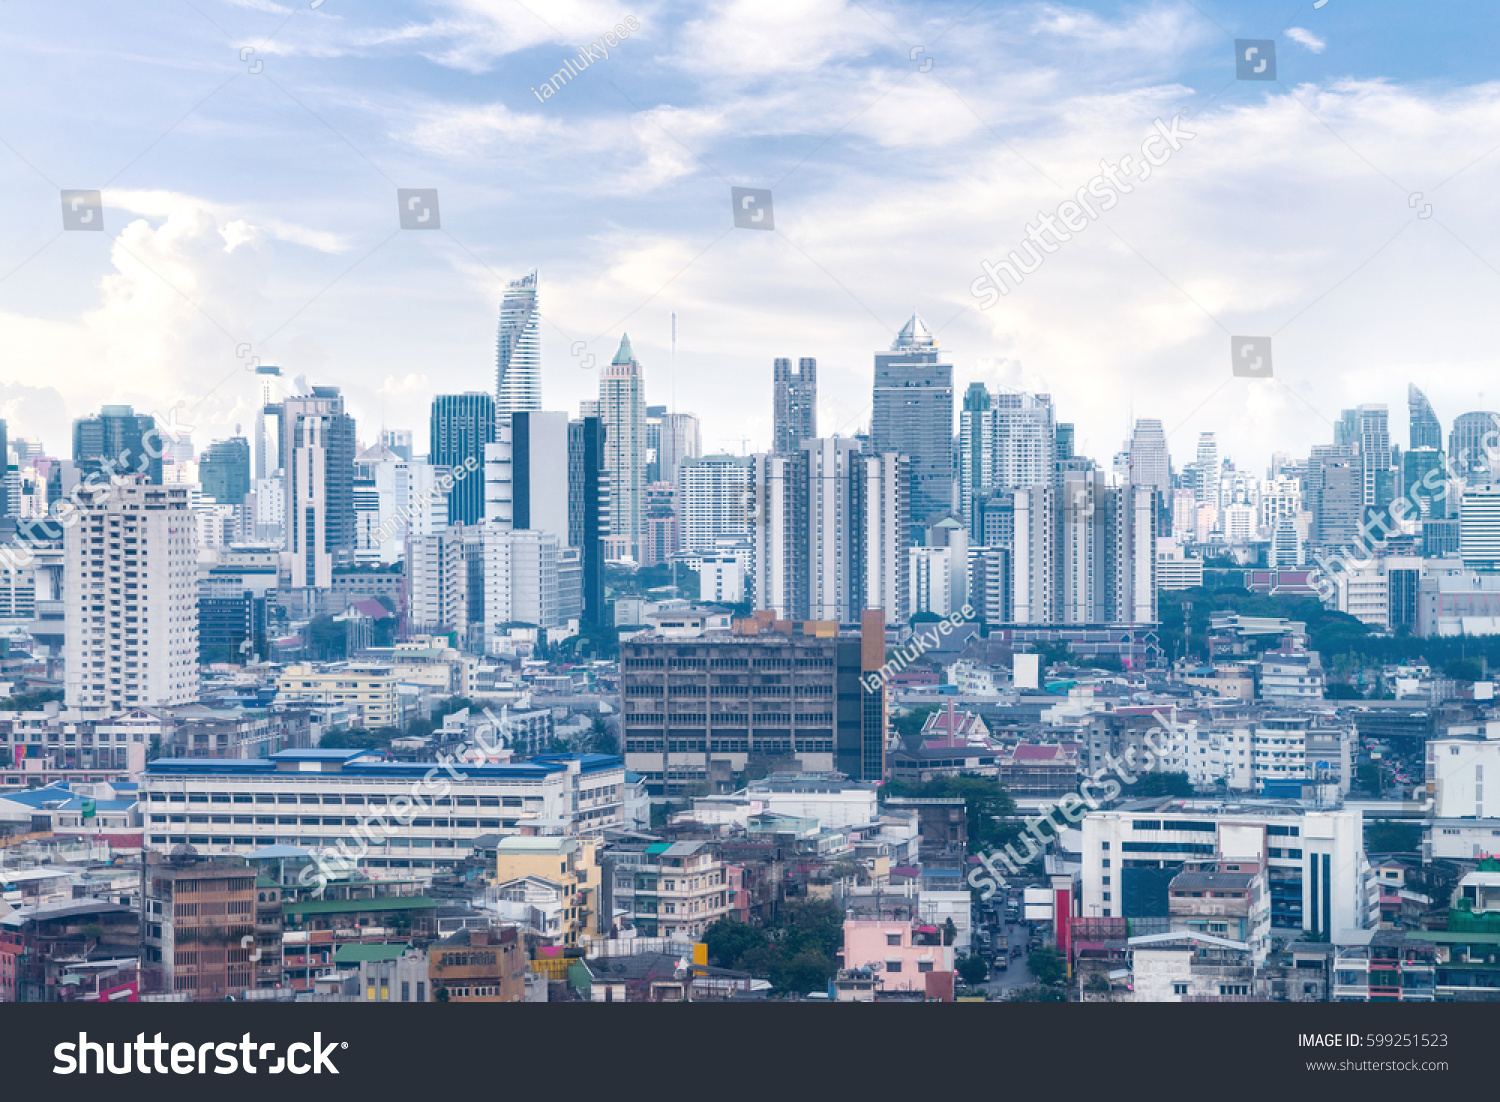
{"x": 258, "y": 208}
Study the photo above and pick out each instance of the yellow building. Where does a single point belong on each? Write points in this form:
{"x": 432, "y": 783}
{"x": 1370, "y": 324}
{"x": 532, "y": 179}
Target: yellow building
{"x": 571, "y": 864}
{"x": 368, "y": 689}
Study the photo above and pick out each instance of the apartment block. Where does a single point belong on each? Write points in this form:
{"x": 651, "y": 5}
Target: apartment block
{"x": 699, "y": 705}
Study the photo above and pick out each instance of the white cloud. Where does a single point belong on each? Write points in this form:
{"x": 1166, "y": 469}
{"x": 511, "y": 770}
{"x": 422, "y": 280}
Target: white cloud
{"x": 1306, "y": 38}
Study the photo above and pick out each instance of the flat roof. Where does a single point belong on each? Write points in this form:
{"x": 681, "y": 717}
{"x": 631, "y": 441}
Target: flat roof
{"x": 356, "y": 953}
{"x": 536, "y": 844}
{"x": 354, "y": 906}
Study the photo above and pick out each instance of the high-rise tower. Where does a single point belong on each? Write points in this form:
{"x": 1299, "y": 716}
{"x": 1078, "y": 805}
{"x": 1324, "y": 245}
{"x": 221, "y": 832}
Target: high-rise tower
{"x": 518, "y": 349}
{"x": 912, "y": 415}
{"x": 796, "y": 412}
{"x": 622, "y": 412}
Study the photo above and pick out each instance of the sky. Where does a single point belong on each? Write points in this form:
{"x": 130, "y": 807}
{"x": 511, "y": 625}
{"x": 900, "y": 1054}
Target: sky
{"x": 248, "y": 153}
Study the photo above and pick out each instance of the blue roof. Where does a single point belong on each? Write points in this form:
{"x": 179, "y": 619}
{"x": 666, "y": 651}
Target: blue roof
{"x": 210, "y": 765}
{"x": 243, "y": 766}
{"x": 588, "y": 763}
{"x": 319, "y": 755}
{"x": 36, "y": 797}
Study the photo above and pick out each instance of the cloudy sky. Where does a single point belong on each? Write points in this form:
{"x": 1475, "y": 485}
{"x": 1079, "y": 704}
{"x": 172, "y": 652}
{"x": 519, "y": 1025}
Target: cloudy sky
{"x": 249, "y": 153}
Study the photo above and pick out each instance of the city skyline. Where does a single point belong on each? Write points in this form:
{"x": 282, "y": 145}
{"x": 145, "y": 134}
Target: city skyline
{"x": 325, "y": 291}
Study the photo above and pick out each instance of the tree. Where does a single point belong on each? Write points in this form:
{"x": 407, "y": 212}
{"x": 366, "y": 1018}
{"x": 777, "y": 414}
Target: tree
{"x": 910, "y": 725}
{"x": 988, "y": 807}
{"x": 327, "y": 639}
{"x": 601, "y": 739}
{"x": 1463, "y": 669}
{"x": 1038, "y": 995}
{"x": 29, "y": 702}
{"x": 1047, "y": 965}
{"x": 950, "y": 931}
{"x": 729, "y": 941}
{"x": 816, "y": 924}
{"x": 1098, "y": 984}
{"x": 357, "y": 738}
{"x": 973, "y": 970}
{"x": 809, "y": 970}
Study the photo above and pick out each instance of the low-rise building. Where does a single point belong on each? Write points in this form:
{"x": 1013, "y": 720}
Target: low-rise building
{"x": 479, "y": 965}
{"x": 571, "y": 865}
{"x": 899, "y": 952}
{"x": 367, "y": 689}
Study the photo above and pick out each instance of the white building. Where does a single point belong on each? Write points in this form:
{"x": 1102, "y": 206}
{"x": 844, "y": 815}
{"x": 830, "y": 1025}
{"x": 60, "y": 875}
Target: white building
{"x": 437, "y": 588}
{"x": 713, "y": 500}
{"x": 1315, "y": 860}
{"x": 519, "y": 572}
{"x": 1364, "y": 593}
{"x": 316, "y": 799}
{"x": 131, "y": 587}
{"x": 526, "y": 473}
{"x": 1479, "y": 526}
{"x": 721, "y": 578}
{"x": 932, "y": 571}
{"x": 1291, "y": 677}
{"x": 1456, "y": 769}
{"x": 1175, "y": 568}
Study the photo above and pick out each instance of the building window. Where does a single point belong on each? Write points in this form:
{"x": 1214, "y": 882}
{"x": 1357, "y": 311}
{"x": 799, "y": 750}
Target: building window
{"x": 924, "y": 966}
{"x": 893, "y": 939}
{"x": 893, "y": 966}
{"x": 1179, "y": 989}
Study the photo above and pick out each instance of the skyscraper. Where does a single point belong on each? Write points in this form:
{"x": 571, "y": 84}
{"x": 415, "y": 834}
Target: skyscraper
{"x": 5, "y": 503}
{"x": 1150, "y": 465}
{"x": 317, "y": 450}
{"x": 1206, "y": 470}
{"x": 224, "y": 470}
{"x": 622, "y": 411}
{"x": 831, "y": 531}
{"x": 1420, "y": 484}
{"x": 681, "y": 439}
{"x": 398, "y": 440}
{"x": 713, "y": 500}
{"x": 267, "y": 446}
{"x": 1426, "y": 432}
{"x": 518, "y": 349}
{"x": 1376, "y": 476}
{"x": 1006, "y": 441}
{"x": 527, "y": 474}
{"x": 139, "y": 538}
{"x": 912, "y": 415}
{"x": 589, "y": 509}
{"x": 1479, "y": 528}
{"x": 1085, "y": 552}
{"x": 117, "y": 439}
{"x": 796, "y": 410}
{"x": 1474, "y": 447}
{"x": 460, "y": 427}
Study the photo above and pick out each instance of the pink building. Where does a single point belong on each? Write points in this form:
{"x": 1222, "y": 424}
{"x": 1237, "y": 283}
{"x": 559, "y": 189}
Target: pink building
{"x": 900, "y": 953}
{"x": 739, "y": 899}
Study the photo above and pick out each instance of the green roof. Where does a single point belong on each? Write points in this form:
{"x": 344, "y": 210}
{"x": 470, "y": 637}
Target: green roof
{"x": 625, "y": 354}
{"x": 1455, "y": 937}
{"x": 355, "y": 953}
{"x": 352, "y": 906}
{"x": 659, "y": 847}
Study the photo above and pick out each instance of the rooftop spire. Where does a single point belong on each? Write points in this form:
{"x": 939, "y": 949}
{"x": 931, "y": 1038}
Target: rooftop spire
{"x": 624, "y": 355}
